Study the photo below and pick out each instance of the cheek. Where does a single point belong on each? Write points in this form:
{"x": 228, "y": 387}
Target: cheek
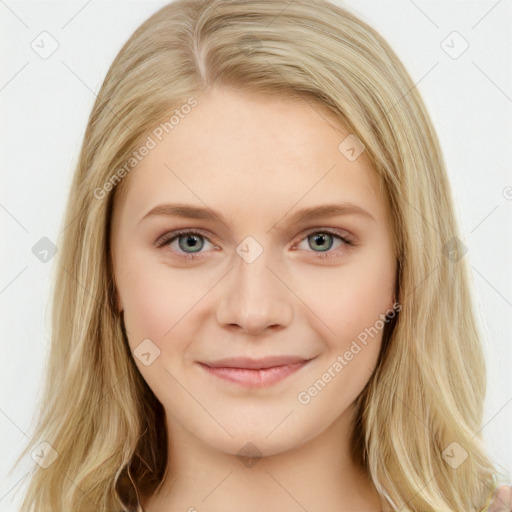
{"x": 351, "y": 299}
{"x": 351, "y": 308}
{"x": 155, "y": 308}
{"x": 151, "y": 303}
{"x": 161, "y": 304}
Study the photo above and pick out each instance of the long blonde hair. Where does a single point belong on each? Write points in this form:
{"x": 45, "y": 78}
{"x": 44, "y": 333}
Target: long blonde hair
{"x": 423, "y": 404}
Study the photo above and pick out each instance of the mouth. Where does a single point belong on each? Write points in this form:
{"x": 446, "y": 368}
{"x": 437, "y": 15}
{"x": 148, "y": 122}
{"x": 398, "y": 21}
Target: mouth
{"x": 255, "y": 373}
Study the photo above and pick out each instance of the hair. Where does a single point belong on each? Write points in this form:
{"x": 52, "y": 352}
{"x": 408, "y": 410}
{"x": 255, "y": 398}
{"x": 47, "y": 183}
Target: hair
{"x": 428, "y": 388}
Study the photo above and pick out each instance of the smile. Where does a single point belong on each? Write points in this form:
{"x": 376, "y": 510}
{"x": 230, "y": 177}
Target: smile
{"x": 249, "y": 375}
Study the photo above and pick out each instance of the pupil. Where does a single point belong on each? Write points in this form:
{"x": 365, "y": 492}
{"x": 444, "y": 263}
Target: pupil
{"x": 322, "y": 238}
{"x": 191, "y": 242}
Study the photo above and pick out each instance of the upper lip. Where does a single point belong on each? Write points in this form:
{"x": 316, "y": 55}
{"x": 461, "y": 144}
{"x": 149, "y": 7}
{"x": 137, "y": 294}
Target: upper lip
{"x": 265, "y": 362}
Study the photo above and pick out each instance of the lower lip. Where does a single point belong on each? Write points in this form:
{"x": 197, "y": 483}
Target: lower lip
{"x": 255, "y": 378}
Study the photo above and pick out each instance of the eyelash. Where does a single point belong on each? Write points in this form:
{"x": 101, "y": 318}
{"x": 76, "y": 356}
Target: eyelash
{"x": 170, "y": 236}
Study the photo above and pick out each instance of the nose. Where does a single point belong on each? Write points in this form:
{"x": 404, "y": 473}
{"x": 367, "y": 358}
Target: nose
{"x": 254, "y": 298}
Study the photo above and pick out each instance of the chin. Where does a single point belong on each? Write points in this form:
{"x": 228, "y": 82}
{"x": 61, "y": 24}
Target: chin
{"x": 250, "y": 447}
{"x": 266, "y": 441}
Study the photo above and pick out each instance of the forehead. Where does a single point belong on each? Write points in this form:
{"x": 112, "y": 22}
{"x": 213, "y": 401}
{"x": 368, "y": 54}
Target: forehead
{"x": 237, "y": 152}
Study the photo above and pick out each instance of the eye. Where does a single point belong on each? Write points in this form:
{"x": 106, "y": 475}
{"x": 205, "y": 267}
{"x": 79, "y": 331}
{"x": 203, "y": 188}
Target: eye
{"x": 323, "y": 240}
{"x": 190, "y": 243}
{"x": 187, "y": 239}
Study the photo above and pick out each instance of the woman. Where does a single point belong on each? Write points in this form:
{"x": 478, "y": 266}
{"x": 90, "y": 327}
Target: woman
{"x": 256, "y": 372}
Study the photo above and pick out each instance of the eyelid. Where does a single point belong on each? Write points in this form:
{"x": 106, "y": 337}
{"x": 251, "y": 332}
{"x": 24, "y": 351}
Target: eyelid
{"x": 341, "y": 233}
{"x": 175, "y": 233}
{"x": 170, "y": 236}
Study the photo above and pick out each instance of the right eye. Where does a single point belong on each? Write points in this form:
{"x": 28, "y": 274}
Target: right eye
{"x": 186, "y": 239}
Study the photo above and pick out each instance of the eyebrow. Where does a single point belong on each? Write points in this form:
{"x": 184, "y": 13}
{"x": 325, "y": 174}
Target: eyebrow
{"x": 305, "y": 214}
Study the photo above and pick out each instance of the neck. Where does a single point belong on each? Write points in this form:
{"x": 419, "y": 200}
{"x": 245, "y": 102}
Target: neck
{"x": 200, "y": 478}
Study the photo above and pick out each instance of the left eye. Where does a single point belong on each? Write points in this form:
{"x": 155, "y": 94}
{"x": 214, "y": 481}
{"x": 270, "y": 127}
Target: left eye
{"x": 194, "y": 240}
{"x": 324, "y": 239}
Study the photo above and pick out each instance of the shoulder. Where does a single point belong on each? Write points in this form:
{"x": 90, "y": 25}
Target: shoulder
{"x": 501, "y": 500}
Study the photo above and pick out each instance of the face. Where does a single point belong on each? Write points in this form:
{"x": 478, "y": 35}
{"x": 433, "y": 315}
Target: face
{"x": 260, "y": 324}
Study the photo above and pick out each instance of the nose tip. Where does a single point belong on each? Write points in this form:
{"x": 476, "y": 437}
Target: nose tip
{"x": 254, "y": 299}
{"x": 255, "y": 327}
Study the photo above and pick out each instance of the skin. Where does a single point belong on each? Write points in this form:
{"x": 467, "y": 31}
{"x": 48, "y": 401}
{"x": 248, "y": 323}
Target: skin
{"x": 256, "y": 160}
{"x": 502, "y": 501}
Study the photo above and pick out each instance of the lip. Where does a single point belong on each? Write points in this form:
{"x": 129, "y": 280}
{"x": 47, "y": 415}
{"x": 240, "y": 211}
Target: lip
{"x": 255, "y": 373}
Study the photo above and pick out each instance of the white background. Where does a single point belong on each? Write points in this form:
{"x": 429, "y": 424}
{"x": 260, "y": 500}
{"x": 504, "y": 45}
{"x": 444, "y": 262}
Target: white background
{"x": 45, "y": 104}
